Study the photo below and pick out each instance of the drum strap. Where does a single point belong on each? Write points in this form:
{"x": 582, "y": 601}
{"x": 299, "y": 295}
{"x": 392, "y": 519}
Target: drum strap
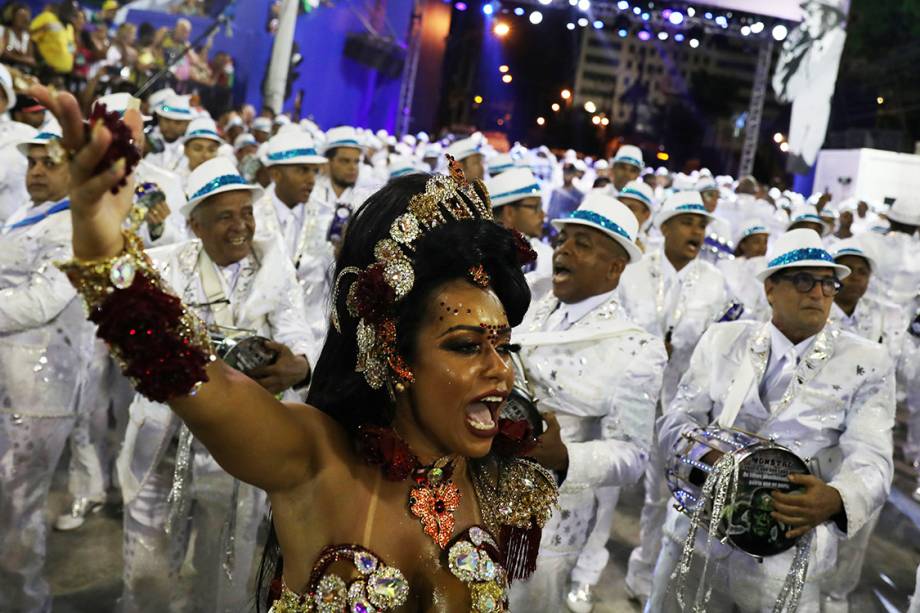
{"x": 214, "y": 291}
{"x": 737, "y": 392}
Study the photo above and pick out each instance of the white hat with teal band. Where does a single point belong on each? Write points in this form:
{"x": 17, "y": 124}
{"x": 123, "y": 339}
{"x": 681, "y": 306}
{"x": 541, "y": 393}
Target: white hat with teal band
{"x": 641, "y": 191}
{"x": 40, "y": 139}
{"x": 202, "y": 127}
{"x": 629, "y": 154}
{"x": 292, "y": 147}
{"x": 177, "y": 108}
{"x": 800, "y": 248}
{"x": 608, "y": 215}
{"x": 686, "y": 202}
{"x": 342, "y": 136}
{"x": 215, "y": 176}
{"x": 513, "y": 185}
{"x": 500, "y": 163}
{"x": 852, "y": 246}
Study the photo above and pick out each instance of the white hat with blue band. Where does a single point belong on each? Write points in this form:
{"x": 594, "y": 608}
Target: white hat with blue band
{"x": 629, "y": 154}
{"x": 202, "y": 127}
{"x": 215, "y": 176}
{"x": 806, "y": 213}
{"x": 500, "y": 163}
{"x": 608, "y": 215}
{"x": 342, "y": 136}
{"x": 852, "y": 246}
{"x": 513, "y": 185}
{"x": 177, "y": 108}
{"x": 465, "y": 147}
{"x": 400, "y": 166}
{"x": 292, "y": 147}
{"x": 641, "y": 191}
{"x": 800, "y": 248}
{"x": 121, "y": 102}
{"x": 751, "y": 227}
{"x": 40, "y": 139}
{"x": 687, "y": 202}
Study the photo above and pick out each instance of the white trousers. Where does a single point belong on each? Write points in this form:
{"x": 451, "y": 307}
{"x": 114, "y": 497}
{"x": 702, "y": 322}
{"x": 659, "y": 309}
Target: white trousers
{"x": 840, "y": 582}
{"x": 30, "y": 448}
{"x": 594, "y": 555}
{"x": 651, "y": 521}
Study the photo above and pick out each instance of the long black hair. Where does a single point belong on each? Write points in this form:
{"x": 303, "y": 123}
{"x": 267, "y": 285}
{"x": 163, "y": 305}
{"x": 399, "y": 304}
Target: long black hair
{"x": 443, "y": 254}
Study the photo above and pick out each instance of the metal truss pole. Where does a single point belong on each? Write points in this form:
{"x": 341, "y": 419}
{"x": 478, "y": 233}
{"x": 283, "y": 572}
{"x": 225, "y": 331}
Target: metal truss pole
{"x": 755, "y": 109}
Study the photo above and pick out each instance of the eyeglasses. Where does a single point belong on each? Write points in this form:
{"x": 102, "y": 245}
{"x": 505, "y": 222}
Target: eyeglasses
{"x": 532, "y": 207}
{"x": 804, "y": 283}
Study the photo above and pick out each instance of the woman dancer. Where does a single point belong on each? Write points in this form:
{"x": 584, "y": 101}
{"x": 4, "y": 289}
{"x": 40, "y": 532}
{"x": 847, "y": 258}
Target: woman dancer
{"x": 397, "y": 489}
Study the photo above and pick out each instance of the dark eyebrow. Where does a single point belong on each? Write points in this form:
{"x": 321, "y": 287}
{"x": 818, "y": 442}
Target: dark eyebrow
{"x": 479, "y": 329}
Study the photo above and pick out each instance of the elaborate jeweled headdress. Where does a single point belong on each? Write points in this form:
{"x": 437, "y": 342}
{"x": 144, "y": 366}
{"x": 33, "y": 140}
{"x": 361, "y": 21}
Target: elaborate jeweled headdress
{"x": 377, "y": 289}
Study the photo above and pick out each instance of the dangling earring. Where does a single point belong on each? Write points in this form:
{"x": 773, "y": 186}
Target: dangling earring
{"x": 400, "y": 388}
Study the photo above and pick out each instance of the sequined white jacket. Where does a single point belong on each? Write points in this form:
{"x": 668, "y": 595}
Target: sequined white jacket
{"x": 897, "y": 274}
{"x": 702, "y": 297}
{"x": 601, "y": 377}
{"x": 266, "y": 298}
{"x": 875, "y": 320}
{"x": 841, "y": 399}
{"x": 44, "y": 335}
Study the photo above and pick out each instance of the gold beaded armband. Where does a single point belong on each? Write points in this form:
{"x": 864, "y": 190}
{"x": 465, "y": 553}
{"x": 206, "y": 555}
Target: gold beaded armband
{"x": 159, "y": 343}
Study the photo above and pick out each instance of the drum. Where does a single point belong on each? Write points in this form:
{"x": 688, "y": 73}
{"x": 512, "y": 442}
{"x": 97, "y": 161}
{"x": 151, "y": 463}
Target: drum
{"x": 763, "y": 466}
{"x": 520, "y": 405}
{"x": 244, "y": 353}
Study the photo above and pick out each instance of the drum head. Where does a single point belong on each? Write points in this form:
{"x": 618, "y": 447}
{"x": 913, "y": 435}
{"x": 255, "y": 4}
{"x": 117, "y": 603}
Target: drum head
{"x": 518, "y": 406}
{"x": 749, "y": 524}
{"x": 248, "y": 354}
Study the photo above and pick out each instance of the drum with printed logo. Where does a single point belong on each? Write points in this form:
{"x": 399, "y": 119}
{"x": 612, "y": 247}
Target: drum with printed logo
{"x": 242, "y": 352}
{"x": 763, "y": 466}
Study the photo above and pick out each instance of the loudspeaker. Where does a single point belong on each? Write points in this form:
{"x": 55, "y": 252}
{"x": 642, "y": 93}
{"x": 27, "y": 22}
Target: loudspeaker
{"x": 382, "y": 54}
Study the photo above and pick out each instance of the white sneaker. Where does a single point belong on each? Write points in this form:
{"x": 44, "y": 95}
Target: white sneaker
{"x": 78, "y": 511}
{"x": 580, "y": 599}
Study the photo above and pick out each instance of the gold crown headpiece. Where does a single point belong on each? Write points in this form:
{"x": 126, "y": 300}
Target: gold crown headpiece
{"x": 377, "y": 289}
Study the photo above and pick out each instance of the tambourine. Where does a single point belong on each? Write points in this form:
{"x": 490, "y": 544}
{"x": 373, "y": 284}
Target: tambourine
{"x": 245, "y": 353}
{"x": 763, "y": 466}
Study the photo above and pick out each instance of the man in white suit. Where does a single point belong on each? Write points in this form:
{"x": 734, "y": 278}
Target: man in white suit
{"x": 600, "y": 373}
{"x": 236, "y": 284}
{"x": 825, "y": 394}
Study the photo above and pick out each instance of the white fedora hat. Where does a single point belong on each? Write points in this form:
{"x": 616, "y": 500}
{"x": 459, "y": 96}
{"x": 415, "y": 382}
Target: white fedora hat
{"x": 629, "y": 154}
{"x": 500, "y": 163}
{"x": 400, "y": 166}
{"x": 800, "y": 248}
{"x": 121, "y": 102}
{"x": 513, "y": 185}
{"x": 215, "y": 176}
{"x": 806, "y": 213}
{"x": 611, "y": 217}
{"x": 202, "y": 127}
{"x": 342, "y": 136}
{"x": 687, "y": 202}
{"x": 905, "y": 211}
{"x": 641, "y": 191}
{"x": 465, "y": 147}
{"x": 6, "y": 84}
{"x": 42, "y": 138}
{"x": 750, "y": 227}
{"x": 176, "y": 107}
{"x": 262, "y": 124}
{"x": 292, "y": 147}
{"x": 853, "y": 246}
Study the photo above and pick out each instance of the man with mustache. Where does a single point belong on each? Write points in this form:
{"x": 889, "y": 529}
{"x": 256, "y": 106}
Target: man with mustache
{"x": 600, "y": 373}
{"x": 825, "y": 394}
{"x": 238, "y": 284}
{"x": 674, "y": 295}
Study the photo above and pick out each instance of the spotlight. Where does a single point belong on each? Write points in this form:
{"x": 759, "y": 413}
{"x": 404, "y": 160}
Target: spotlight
{"x": 583, "y": 22}
{"x": 590, "y": 106}
{"x": 745, "y": 30}
{"x": 545, "y": 2}
{"x": 637, "y": 10}
{"x": 519, "y": 12}
{"x": 540, "y": 121}
{"x": 722, "y": 21}
{"x": 779, "y": 32}
{"x": 503, "y": 68}
{"x": 662, "y": 36}
{"x": 584, "y": 5}
{"x": 605, "y": 121}
{"x": 598, "y": 24}
{"x": 694, "y": 43}
{"x": 460, "y": 6}
{"x": 596, "y": 120}
{"x": 623, "y": 5}
{"x": 679, "y": 37}
{"x": 570, "y": 26}
{"x": 565, "y": 94}
{"x": 778, "y": 138}
{"x": 707, "y": 15}
{"x": 536, "y": 17}
{"x": 784, "y": 147}
{"x": 477, "y": 99}
{"x": 663, "y": 156}
{"x": 573, "y": 2}
{"x": 555, "y": 107}
{"x": 644, "y": 35}
{"x": 506, "y": 78}
{"x": 757, "y": 27}
{"x": 691, "y": 11}
{"x": 676, "y": 18}
{"x": 500, "y": 121}
{"x": 622, "y": 33}
{"x": 501, "y": 29}
{"x": 880, "y": 100}
{"x": 487, "y": 9}
{"x": 646, "y": 16}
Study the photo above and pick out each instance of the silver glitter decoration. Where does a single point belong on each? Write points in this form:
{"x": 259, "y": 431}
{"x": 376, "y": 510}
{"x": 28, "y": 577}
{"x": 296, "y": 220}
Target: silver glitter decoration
{"x": 179, "y": 498}
{"x": 789, "y": 594}
{"x": 229, "y": 536}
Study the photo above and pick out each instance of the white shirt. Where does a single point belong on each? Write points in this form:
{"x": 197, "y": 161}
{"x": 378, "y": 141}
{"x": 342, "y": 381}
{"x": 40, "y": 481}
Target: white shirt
{"x": 784, "y": 357}
{"x": 568, "y": 314}
{"x": 291, "y": 220}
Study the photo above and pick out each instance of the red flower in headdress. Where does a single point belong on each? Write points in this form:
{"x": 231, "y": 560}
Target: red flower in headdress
{"x": 373, "y": 295}
{"x": 525, "y": 253}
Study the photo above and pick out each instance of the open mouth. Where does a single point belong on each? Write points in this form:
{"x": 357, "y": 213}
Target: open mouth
{"x": 482, "y": 416}
{"x": 238, "y": 242}
{"x": 694, "y": 245}
{"x": 560, "y": 272}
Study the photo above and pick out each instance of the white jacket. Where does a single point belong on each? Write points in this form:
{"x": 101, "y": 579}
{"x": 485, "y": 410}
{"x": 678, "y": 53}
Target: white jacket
{"x": 601, "y": 377}
{"x": 897, "y": 274}
{"x": 743, "y": 285}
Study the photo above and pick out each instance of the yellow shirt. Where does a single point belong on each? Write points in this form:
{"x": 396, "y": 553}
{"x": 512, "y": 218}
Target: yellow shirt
{"x": 54, "y": 41}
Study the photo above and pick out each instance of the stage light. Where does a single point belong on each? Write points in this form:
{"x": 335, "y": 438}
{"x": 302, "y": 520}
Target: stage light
{"x": 644, "y": 35}
{"x": 722, "y": 21}
{"x": 503, "y": 68}
{"x": 565, "y": 94}
{"x": 573, "y": 2}
{"x": 779, "y": 32}
{"x": 584, "y": 5}
{"x": 757, "y": 27}
{"x": 598, "y": 24}
{"x": 487, "y": 9}
{"x": 784, "y": 147}
{"x": 745, "y": 30}
{"x": 536, "y": 17}
{"x": 500, "y": 122}
{"x": 679, "y": 37}
{"x": 778, "y": 138}
{"x": 691, "y": 11}
{"x": 501, "y": 29}
{"x": 590, "y": 106}
{"x": 605, "y": 121}
{"x": 545, "y": 2}
{"x": 623, "y": 5}
{"x": 477, "y": 99}
{"x": 460, "y": 6}
{"x": 880, "y": 100}
{"x": 637, "y": 10}
{"x": 694, "y": 43}
{"x": 663, "y": 156}
{"x": 662, "y": 36}
{"x": 519, "y": 12}
{"x": 596, "y": 120}
{"x": 506, "y": 78}
{"x": 555, "y": 107}
{"x": 570, "y": 26}
{"x": 676, "y": 18}
{"x": 622, "y": 32}
{"x": 646, "y": 16}
{"x": 583, "y": 22}
{"x": 540, "y": 121}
